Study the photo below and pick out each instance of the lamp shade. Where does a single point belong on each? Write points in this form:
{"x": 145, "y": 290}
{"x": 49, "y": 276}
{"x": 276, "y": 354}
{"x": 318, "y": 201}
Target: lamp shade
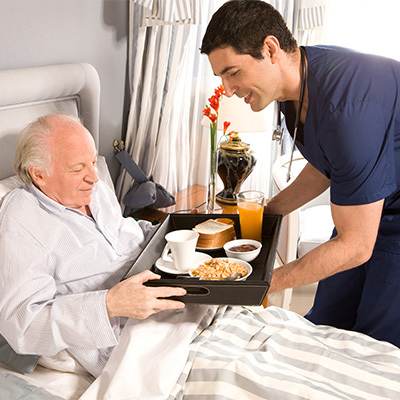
{"x": 241, "y": 116}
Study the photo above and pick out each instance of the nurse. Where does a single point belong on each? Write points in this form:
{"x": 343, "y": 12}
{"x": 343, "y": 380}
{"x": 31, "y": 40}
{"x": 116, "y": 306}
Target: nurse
{"x": 343, "y": 109}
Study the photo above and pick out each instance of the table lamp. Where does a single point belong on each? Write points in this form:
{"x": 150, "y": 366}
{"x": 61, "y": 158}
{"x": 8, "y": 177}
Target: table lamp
{"x": 235, "y": 160}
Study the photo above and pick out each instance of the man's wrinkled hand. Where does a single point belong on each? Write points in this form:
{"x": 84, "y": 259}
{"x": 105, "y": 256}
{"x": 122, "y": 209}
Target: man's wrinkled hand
{"x": 130, "y": 298}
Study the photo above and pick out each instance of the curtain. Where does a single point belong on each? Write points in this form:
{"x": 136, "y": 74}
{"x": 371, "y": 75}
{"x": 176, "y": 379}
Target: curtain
{"x": 167, "y": 75}
{"x": 303, "y": 17}
{"x": 164, "y": 12}
{"x": 310, "y": 21}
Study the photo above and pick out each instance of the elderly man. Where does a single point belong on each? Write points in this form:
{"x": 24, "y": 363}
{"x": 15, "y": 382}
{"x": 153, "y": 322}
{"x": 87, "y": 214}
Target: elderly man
{"x": 344, "y": 108}
{"x": 64, "y": 249}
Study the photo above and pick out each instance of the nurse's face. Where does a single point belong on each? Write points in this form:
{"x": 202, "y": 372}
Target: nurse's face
{"x": 254, "y": 80}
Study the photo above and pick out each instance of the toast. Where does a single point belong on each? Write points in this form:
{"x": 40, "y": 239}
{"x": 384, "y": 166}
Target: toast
{"x": 214, "y": 234}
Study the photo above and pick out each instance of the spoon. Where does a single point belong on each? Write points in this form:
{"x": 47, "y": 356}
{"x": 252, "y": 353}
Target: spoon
{"x": 232, "y": 277}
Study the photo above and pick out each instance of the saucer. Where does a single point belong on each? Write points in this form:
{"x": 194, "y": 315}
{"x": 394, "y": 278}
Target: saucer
{"x": 169, "y": 268}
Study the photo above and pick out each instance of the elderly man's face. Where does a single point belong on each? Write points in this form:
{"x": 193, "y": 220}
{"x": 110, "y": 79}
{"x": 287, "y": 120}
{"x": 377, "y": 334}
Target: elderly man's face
{"x": 73, "y": 174}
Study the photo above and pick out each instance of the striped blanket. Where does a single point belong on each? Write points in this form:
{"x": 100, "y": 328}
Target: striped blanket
{"x": 248, "y": 354}
{"x": 276, "y": 354}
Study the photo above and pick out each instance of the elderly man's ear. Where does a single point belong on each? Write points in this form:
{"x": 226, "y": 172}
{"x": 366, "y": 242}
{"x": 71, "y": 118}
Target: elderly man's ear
{"x": 38, "y": 176}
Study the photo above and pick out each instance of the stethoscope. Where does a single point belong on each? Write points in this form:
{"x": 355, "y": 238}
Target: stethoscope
{"x": 278, "y": 132}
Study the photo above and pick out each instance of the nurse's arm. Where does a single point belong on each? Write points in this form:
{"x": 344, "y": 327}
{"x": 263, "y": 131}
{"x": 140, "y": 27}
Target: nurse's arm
{"x": 309, "y": 184}
{"x": 357, "y": 229}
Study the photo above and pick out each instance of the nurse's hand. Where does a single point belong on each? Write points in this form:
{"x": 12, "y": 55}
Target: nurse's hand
{"x": 130, "y": 298}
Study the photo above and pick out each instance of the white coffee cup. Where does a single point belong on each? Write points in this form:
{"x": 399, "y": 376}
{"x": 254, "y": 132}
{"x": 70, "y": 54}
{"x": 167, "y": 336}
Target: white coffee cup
{"x": 180, "y": 248}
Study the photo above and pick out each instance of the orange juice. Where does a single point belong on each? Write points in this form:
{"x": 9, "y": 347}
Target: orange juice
{"x": 251, "y": 217}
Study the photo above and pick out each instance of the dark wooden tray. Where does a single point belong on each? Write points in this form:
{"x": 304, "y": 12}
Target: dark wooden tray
{"x": 249, "y": 292}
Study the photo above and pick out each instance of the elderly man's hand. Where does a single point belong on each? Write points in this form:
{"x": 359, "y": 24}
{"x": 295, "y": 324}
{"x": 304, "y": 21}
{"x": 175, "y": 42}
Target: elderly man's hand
{"x": 130, "y": 298}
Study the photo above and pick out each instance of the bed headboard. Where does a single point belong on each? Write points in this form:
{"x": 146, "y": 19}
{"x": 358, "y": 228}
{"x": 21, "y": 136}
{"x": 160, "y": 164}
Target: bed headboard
{"x": 28, "y": 93}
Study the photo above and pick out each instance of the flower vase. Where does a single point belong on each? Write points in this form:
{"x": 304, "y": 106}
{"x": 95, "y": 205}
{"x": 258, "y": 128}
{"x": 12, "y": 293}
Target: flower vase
{"x": 212, "y": 180}
{"x": 211, "y": 112}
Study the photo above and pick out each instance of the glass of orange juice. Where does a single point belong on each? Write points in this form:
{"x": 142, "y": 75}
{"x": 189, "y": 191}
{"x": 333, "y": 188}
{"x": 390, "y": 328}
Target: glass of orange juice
{"x": 251, "y": 207}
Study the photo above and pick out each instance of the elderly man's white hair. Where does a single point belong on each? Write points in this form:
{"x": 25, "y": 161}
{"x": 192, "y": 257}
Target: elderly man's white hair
{"x": 32, "y": 145}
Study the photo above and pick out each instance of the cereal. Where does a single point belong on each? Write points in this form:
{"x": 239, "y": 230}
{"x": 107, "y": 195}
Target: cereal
{"x": 218, "y": 268}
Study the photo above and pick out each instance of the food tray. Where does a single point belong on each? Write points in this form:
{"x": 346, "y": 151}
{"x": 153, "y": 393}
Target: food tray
{"x": 249, "y": 292}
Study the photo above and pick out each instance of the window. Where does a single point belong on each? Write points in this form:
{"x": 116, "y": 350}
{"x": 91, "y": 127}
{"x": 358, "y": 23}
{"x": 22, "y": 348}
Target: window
{"x": 364, "y": 25}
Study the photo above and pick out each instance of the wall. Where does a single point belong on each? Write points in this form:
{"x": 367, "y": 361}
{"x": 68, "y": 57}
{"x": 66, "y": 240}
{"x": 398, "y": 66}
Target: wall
{"x": 43, "y": 32}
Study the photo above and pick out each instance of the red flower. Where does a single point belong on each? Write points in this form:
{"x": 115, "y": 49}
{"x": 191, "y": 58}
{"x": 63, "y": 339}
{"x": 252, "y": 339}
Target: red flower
{"x": 226, "y": 126}
{"x": 219, "y": 91}
{"x": 207, "y": 111}
{"x": 213, "y": 118}
{"x": 214, "y": 104}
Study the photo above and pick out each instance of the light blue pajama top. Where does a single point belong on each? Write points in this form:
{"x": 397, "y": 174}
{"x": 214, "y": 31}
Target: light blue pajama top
{"x": 56, "y": 265}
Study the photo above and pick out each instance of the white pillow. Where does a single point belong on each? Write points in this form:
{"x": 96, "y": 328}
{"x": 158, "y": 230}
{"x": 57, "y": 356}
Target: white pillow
{"x": 62, "y": 361}
{"x": 9, "y": 184}
{"x": 104, "y": 173}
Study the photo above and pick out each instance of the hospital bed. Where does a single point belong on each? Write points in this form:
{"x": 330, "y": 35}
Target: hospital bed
{"x": 224, "y": 352}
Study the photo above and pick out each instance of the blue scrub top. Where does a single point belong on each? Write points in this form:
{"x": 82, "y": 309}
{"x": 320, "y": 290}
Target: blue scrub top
{"x": 352, "y": 129}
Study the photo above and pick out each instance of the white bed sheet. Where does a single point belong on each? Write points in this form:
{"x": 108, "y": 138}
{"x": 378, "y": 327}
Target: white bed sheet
{"x": 150, "y": 356}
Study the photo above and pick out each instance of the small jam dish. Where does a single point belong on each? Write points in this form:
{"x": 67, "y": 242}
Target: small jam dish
{"x": 244, "y": 249}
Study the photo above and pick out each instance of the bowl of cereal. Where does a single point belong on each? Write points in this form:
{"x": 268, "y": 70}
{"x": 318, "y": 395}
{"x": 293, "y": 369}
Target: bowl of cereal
{"x": 244, "y": 249}
{"x": 220, "y": 268}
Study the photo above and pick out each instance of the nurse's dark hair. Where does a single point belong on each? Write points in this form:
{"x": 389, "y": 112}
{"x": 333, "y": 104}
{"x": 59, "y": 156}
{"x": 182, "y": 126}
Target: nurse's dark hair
{"x": 243, "y": 25}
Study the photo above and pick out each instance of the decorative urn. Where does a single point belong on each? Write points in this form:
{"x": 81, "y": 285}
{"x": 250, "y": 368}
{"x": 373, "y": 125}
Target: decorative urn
{"x": 235, "y": 163}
